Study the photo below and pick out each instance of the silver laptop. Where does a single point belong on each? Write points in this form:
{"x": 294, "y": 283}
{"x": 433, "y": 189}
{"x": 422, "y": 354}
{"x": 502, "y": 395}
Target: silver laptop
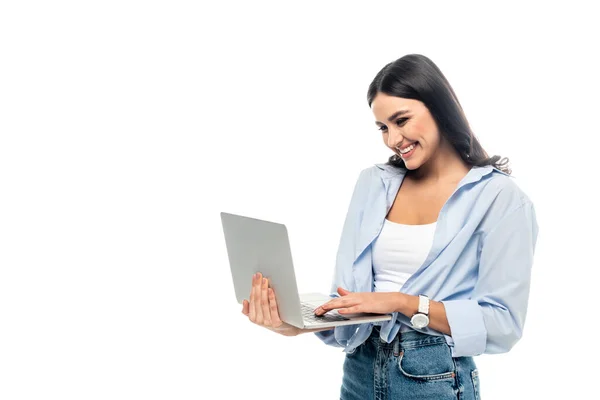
{"x": 254, "y": 245}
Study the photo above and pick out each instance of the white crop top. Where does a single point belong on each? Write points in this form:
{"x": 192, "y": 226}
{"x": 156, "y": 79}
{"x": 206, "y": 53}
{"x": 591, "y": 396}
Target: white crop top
{"x": 398, "y": 252}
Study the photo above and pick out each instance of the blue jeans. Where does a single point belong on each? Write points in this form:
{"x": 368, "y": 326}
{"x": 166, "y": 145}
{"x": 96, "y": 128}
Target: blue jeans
{"x": 413, "y": 366}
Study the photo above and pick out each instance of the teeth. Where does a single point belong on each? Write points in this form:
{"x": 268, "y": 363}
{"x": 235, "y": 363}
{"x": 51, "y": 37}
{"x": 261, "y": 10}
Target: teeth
{"x": 406, "y": 150}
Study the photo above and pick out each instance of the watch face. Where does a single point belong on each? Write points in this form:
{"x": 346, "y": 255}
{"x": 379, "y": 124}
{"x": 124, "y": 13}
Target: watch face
{"x": 420, "y": 320}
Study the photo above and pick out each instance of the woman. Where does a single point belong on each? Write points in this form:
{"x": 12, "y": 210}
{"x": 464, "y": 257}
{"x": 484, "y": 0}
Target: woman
{"x": 440, "y": 237}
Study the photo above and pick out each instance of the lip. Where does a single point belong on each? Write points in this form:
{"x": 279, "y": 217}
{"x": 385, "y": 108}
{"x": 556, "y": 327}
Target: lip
{"x": 410, "y": 153}
{"x": 408, "y": 145}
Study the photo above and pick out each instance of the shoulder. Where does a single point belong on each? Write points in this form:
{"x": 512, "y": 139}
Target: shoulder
{"x": 370, "y": 179}
{"x": 366, "y": 179}
{"x": 375, "y": 173}
{"x": 385, "y": 171}
{"x": 503, "y": 194}
{"x": 371, "y": 172}
{"x": 506, "y": 187}
{"x": 510, "y": 211}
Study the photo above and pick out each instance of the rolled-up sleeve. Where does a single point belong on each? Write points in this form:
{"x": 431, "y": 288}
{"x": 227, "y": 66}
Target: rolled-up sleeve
{"x": 492, "y": 320}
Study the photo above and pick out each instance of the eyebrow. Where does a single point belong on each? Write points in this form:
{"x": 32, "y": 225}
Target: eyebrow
{"x": 393, "y": 116}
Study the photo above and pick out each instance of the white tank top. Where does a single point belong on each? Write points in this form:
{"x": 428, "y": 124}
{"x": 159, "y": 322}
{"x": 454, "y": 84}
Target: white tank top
{"x": 398, "y": 252}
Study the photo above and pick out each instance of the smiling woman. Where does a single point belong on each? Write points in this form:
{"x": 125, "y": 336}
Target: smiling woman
{"x": 440, "y": 237}
{"x": 404, "y": 87}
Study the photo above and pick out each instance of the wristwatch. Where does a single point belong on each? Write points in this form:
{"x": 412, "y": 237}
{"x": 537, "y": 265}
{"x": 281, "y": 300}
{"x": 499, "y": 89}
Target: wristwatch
{"x": 421, "y": 319}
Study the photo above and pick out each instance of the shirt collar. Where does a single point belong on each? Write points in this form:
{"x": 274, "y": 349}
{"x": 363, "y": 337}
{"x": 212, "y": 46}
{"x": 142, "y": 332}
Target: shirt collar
{"x": 475, "y": 174}
{"x": 389, "y": 171}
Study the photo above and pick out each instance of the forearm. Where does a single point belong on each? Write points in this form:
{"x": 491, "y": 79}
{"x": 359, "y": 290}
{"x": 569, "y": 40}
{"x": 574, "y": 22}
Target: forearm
{"x": 409, "y": 305}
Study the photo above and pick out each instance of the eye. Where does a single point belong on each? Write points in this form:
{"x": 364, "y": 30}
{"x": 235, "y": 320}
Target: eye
{"x": 382, "y": 128}
{"x": 401, "y": 121}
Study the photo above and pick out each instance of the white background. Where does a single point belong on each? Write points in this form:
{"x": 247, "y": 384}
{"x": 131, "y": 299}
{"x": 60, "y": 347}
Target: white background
{"x": 126, "y": 127}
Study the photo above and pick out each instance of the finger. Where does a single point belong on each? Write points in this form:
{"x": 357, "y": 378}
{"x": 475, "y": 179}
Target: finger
{"x": 258, "y": 298}
{"x": 343, "y": 292}
{"x": 330, "y": 305}
{"x": 264, "y": 293}
{"x": 275, "y": 319}
{"x": 246, "y": 308}
{"x": 253, "y": 301}
{"x": 335, "y": 304}
{"x": 350, "y": 310}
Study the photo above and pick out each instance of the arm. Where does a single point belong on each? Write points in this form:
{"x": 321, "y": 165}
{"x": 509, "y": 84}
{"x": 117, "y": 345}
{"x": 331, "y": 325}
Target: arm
{"x": 409, "y": 305}
{"x": 492, "y": 320}
{"x": 386, "y": 303}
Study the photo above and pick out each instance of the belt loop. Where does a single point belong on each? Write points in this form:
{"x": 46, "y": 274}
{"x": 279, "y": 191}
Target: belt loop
{"x": 397, "y": 345}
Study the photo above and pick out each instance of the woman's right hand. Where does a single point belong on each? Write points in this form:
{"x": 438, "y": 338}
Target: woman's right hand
{"x": 262, "y": 308}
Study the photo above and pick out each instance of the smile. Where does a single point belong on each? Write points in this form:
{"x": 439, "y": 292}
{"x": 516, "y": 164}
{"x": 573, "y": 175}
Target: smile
{"x": 407, "y": 149}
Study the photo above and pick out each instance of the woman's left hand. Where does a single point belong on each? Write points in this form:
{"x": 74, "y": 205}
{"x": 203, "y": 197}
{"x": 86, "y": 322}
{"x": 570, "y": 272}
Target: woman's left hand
{"x": 362, "y": 302}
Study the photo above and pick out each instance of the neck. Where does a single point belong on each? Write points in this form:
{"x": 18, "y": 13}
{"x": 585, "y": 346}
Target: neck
{"x": 444, "y": 165}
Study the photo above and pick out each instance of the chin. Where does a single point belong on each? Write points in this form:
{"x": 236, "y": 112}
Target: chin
{"x": 411, "y": 164}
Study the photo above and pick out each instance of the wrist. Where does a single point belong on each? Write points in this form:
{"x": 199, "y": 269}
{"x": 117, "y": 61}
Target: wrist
{"x": 408, "y": 304}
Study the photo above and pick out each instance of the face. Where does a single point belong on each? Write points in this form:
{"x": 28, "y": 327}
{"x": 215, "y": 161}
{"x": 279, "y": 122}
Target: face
{"x": 407, "y": 128}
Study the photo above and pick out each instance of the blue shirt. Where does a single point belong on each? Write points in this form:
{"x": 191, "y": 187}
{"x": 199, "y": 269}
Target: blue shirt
{"x": 479, "y": 265}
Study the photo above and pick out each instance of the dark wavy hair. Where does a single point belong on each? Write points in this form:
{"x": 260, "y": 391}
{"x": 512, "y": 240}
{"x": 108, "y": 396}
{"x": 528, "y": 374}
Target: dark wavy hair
{"x": 415, "y": 76}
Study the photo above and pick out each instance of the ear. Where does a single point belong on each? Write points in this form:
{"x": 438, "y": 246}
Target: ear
{"x": 342, "y": 291}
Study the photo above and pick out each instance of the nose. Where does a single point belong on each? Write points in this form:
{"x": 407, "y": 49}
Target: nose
{"x": 395, "y": 138}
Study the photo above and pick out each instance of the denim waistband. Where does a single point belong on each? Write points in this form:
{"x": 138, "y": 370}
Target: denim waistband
{"x": 410, "y": 338}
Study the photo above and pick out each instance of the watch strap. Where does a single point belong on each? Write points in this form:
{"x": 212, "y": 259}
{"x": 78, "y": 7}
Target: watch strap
{"x": 423, "y": 304}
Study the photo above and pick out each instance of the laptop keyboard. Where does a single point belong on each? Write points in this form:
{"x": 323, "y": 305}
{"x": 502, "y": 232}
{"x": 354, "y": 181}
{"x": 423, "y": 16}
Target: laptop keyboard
{"x": 309, "y": 316}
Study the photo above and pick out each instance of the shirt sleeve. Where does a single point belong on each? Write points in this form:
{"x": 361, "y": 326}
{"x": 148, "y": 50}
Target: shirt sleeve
{"x": 492, "y": 320}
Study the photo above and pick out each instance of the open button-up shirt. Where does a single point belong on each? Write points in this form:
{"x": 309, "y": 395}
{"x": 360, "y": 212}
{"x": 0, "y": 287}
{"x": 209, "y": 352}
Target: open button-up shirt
{"x": 479, "y": 265}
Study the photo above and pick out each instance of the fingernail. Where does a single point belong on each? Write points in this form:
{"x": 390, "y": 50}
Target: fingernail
{"x": 264, "y": 281}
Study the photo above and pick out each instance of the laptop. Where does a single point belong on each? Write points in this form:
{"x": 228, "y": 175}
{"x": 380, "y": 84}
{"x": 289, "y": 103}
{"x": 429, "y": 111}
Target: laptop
{"x": 255, "y": 245}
